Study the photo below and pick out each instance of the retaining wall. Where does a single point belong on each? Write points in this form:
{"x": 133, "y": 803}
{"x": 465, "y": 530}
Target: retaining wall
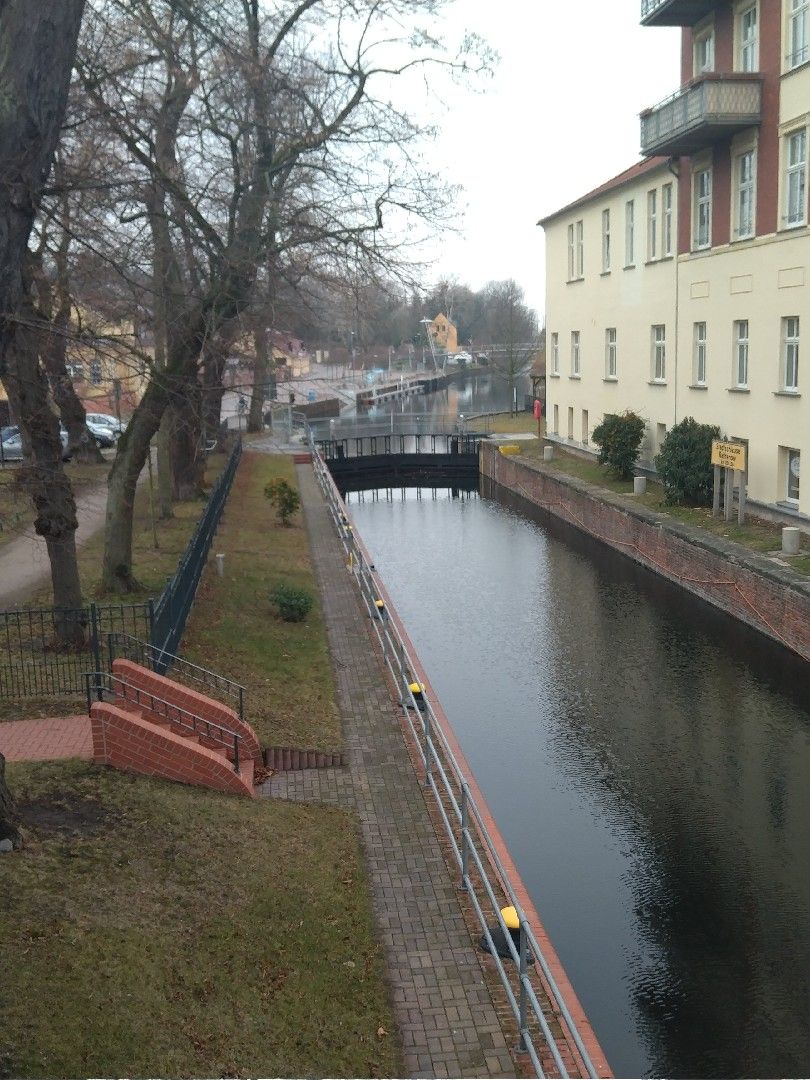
{"x": 753, "y": 588}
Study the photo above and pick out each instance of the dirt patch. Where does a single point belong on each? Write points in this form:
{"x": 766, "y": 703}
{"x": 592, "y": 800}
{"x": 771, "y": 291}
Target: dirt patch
{"x": 65, "y": 814}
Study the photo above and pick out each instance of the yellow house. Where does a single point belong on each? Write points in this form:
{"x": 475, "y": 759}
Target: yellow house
{"x": 106, "y": 364}
{"x": 444, "y": 333}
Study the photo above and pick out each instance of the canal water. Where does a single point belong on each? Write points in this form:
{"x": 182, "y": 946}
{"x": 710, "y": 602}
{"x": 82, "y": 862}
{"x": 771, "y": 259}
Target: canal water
{"x": 647, "y": 760}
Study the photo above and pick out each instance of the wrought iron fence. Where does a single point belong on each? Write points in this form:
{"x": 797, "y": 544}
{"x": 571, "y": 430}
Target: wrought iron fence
{"x": 531, "y": 989}
{"x": 174, "y": 603}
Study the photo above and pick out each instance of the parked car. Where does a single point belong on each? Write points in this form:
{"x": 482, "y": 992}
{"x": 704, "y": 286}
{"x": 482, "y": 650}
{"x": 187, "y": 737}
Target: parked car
{"x": 104, "y": 435}
{"x": 13, "y": 449}
{"x": 104, "y": 419}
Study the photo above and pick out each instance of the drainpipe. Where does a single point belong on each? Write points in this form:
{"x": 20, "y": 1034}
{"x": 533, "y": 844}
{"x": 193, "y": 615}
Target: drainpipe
{"x": 673, "y": 167}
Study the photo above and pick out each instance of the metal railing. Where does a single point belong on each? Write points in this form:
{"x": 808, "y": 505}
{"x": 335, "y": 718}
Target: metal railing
{"x": 174, "y": 603}
{"x": 144, "y": 653}
{"x": 714, "y": 100}
{"x": 99, "y": 683}
{"x": 692, "y": 12}
{"x": 482, "y": 874}
{"x": 412, "y": 443}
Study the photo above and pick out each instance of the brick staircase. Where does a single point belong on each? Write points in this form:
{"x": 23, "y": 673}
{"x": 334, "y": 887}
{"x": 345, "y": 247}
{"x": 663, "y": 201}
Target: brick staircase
{"x": 152, "y": 725}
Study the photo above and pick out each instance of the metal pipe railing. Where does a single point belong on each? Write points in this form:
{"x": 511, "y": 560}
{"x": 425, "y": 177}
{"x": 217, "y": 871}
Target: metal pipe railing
{"x": 466, "y": 830}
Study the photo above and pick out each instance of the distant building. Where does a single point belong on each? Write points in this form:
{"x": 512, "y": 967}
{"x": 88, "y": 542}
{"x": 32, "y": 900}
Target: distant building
{"x": 681, "y": 287}
{"x": 444, "y": 334}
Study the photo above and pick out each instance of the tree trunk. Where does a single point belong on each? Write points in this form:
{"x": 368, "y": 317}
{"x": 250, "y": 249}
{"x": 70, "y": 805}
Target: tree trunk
{"x": 187, "y": 453}
{"x": 8, "y": 823}
{"x": 213, "y": 392}
{"x": 256, "y": 414}
{"x": 164, "y": 468}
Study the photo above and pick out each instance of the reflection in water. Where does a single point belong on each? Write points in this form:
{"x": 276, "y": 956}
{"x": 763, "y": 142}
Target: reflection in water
{"x": 647, "y": 760}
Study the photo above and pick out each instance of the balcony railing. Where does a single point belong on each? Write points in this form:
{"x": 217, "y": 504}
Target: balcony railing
{"x": 675, "y": 12}
{"x": 700, "y": 114}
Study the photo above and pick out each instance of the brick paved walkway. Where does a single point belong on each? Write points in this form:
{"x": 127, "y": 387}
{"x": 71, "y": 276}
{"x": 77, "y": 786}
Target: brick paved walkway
{"x": 47, "y": 739}
{"x": 442, "y": 1005}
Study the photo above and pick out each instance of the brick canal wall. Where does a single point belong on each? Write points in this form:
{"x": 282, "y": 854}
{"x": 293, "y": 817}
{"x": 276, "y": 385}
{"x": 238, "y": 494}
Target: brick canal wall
{"x": 753, "y": 588}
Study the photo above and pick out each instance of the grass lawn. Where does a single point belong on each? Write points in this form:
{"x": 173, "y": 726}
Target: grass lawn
{"x": 152, "y": 929}
{"x": 235, "y": 630}
{"x": 506, "y": 423}
{"x": 756, "y": 534}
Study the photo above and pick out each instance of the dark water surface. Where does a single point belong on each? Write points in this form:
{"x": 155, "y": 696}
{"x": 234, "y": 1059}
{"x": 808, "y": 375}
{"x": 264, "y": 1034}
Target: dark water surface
{"x": 648, "y": 762}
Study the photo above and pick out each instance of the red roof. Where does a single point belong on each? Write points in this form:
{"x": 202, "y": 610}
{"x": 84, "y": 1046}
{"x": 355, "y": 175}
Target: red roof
{"x": 641, "y": 168}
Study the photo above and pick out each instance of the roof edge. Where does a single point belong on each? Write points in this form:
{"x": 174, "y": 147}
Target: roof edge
{"x": 634, "y": 172}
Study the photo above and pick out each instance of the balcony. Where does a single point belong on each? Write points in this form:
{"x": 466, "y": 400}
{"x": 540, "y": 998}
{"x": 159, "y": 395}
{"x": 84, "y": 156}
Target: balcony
{"x": 700, "y": 114}
{"x": 675, "y": 12}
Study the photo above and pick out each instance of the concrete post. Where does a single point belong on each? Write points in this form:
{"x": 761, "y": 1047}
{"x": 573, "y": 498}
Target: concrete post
{"x": 716, "y": 495}
{"x": 791, "y": 540}
{"x": 548, "y": 453}
{"x": 728, "y": 504}
{"x": 220, "y": 565}
{"x": 639, "y": 485}
{"x": 741, "y": 497}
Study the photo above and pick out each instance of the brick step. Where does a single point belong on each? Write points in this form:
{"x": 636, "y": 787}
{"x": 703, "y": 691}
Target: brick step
{"x": 286, "y": 758}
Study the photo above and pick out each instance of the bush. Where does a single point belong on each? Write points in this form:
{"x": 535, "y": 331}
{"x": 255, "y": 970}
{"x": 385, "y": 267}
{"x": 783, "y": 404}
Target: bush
{"x": 619, "y": 439}
{"x": 284, "y": 498}
{"x": 293, "y": 603}
{"x": 684, "y": 463}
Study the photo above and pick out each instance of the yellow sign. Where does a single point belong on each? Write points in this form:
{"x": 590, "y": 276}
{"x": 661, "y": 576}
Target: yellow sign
{"x": 730, "y": 455}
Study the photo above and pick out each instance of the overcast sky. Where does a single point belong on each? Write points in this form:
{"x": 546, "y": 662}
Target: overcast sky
{"x": 559, "y": 117}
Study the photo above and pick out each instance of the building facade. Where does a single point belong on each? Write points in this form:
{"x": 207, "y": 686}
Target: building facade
{"x": 721, "y": 308}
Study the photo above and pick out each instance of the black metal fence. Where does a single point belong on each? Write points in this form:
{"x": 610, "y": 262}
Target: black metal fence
{"x": 174, "y": 604}
{"x": 35, "y": 664}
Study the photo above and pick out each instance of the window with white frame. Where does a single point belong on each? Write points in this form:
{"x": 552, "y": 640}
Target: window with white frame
{"x": 704, "y": 51}
{"x": 699, "y": 356}
{"x": 571, "y": 263}
{"x": 659, "y": 353}
{"x": 575, "y": 360}
{"x": 75, "y": 371}
{"x": 666, "y": 220}
{"x": 793, "y": 470}
{"x": 748, "y": 38}
{"x": 605, "y": 241}
{"x": 741, "y": 354}
{"x": 580, "y": 250}
{"x": 796, "y": 177}
{"x": 790, "y": 353}
{"x": 745, "y": 183}
{"x": 630, "y": 232}
{"x": 652, "y": 224}
{"x": 555, "y": 354}
{"x": 798, "y": 36}
{"x": 95, "y": 372}
{"x": 702, "y": 208}
{"x": 611, "y": 357}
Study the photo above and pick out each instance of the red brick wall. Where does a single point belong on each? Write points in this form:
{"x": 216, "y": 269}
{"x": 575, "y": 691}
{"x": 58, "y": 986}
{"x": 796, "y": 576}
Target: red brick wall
{"x": 193, "y": 702}
{"x": 774, "y": 608}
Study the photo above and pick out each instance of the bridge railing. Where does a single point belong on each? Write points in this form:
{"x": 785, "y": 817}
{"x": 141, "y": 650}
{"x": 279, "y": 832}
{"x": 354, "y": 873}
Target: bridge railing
{"x": 530, "y": 988}
{"x": 405, "y": 443}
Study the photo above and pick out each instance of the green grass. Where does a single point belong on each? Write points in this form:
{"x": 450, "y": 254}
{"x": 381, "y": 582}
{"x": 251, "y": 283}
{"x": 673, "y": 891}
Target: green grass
{"x": 152, "y": 929}
{"x": 506, "y": 423}
{"x": 235, "y": 627}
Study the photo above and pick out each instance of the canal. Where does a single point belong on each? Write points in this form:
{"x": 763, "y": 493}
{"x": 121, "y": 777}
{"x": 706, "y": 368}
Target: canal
{"x": 647, "y": 760}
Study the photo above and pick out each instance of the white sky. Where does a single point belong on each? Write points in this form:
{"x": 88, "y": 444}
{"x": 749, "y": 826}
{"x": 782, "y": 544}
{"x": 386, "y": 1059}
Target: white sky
{"x": 559, "y": 117}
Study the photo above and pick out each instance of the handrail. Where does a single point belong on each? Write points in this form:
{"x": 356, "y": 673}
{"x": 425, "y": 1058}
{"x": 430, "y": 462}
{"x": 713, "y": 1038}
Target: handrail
{"x": 468, "y": 831}
{"x": 107, "y": 682}
{"x": 152, "y": 655}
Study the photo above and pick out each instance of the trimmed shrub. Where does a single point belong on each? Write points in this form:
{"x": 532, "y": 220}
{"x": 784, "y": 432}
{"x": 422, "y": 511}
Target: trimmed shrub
{"x": 293, "y": 603}
{"x": 284, "y": 498}
{"x": 619, "y": 439}
{"x": 684, "y": 462}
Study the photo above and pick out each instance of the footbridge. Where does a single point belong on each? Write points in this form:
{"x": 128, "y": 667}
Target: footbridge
{"x": 383, "y": 460}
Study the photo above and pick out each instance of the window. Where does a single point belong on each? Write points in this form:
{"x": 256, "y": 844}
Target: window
{"x": 797, "y": 32}
{"x": 605, "y": 241}
{"x": 699, "y": 357}
{"x": 659, "y": 353}
{"x": 575, "y": 366}
{"x": 571, "y": 263}
{"x": 95, "y": 372}
{"x": 555, "y": 354}
{"x": 580, "y": 251}
{"x": 748, "y": 39}
{"x": 611, "y": 365}
{"x": 704, "y": 51}
{"x": 652, "y": 224}
{"x": 793, "y": 465}
{"x": 571, "y": 422}
{"x": 75, "y": 371}
{"x": 745, "y": 183}
{"x": 630, "y": 233}
{"x": 585, "y": 427}
{"x": 666, "y": 220}
{"x": 660, "y": 435}
{"x": 741, "y": 353}
{"x": 790, "y": 353}
{"x": 796, "y": 178}
{"x": 556, "y": 419}
{"x": 702, "y": 224}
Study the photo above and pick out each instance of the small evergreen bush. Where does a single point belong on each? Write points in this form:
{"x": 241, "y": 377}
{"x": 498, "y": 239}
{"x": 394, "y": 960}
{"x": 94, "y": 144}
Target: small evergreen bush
{"x": 293, "y": 603}
{"x": 284, "y": 498}
{"x": 684, "y": 462}
{"x": 619, "y": 438}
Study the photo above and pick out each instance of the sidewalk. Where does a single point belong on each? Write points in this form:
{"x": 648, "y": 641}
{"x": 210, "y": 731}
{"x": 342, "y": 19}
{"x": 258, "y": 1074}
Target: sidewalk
{"x": 443, "y": 1007}
{"x": 46, "y": 739}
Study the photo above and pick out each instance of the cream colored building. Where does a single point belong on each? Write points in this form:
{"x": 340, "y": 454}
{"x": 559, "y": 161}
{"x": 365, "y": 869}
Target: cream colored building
{"x": 732, "y": 308}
